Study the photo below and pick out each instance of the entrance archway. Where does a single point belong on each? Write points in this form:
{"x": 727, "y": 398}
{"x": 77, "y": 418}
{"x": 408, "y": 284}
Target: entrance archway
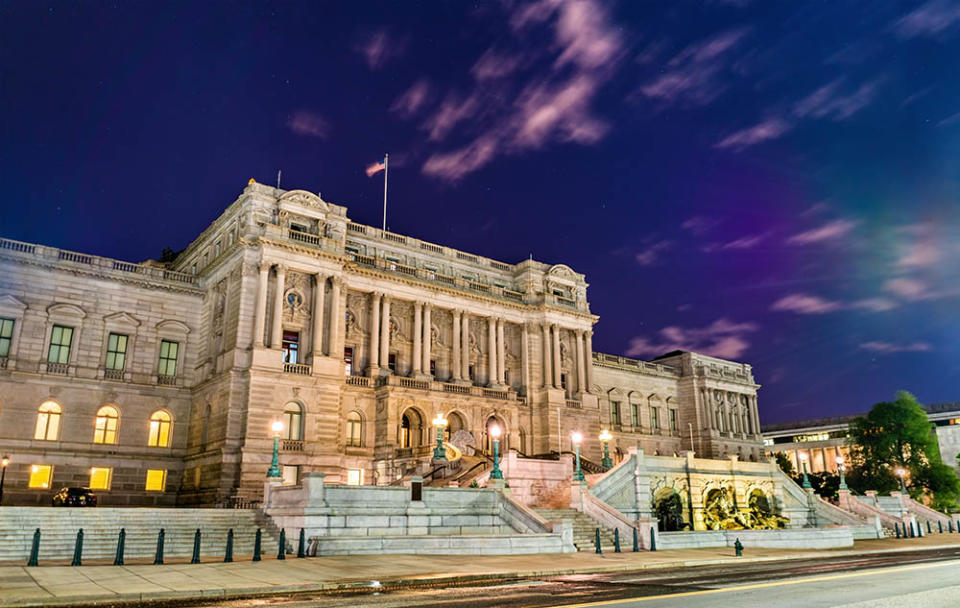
{"x": 455, "y": 423}
{"x": 411, "y": 429}
{"x": 488, "y": 440}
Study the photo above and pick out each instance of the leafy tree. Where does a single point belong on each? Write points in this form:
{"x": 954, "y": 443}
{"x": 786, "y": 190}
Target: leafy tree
{"x": 824, "y": 484}
{"x": 783, "y": 461}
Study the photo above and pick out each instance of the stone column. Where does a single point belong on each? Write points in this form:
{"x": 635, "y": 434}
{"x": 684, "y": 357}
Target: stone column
{"x": 318, "y": 303}
{"x": 417, "y": 331}
{"x": 276, "y": 331}
{"x": 589, "y": 358}
{"x": 385, "y": 336}
{"x": 260, "y": 318}
{"x": 756, "y": 414}
{"x": 456, "y": 366}
{"x": 556, "y": 356}
{"x": 465, "y": 347}
{"x": 581, "y": 363}
{"x": 547, "y": 365}
{"x": 373, "y": 360}
{"x": 427, "y": 338}
{"x": 491, "y": 351}
{"x": 333, "y": 340}
{"x": 501, "y": 355}
{"x": 524, "y": 359}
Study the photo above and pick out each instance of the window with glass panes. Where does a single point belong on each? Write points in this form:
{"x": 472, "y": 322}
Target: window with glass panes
{"x": 635, "y": 414}
{"x": 354, "y": 429}
{"x": 156, "y": 480}
{"x": 168, "y": 358}
{"x": 348, "y": 360}
{"x": 6, "y": 336}
{"x": 100, "y": 478}
{"x": 673, "y": 420}
{"x": 116, "y": 352}
{"x": 60, "y": 339}
{"x": 654, "y": 419}
{"x": 615, "y": 412}
{"x": 291, "y": 347}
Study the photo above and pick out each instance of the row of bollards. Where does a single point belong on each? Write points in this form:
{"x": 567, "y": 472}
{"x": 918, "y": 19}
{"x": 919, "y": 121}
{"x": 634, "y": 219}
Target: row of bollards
{"x": 598, "y": 547}
{"x": 161, "y": 538}
{"x": 912, "y": 531}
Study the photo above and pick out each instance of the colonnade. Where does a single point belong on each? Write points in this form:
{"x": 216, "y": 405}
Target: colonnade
{"x": 317, "y": 313}
{"x": 723, "y": 416}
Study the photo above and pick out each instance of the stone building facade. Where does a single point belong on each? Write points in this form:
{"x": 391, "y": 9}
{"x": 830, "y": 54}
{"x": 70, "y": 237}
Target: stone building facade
{"x": 158, "y": 384}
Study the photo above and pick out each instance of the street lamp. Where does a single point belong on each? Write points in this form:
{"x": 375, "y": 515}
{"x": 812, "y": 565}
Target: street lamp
{"x": 605, "y": 437}
{"x": 577, "y": 437}
{"x": 494, "y": 431}
{"x": 803, "y": 462}
{"x": 3, "y": 476}
{"x": 274, "y": 471}
{"x": 438, "y": 452}
{"x": 841, "y": 468}
{"x": 900, "y": 473}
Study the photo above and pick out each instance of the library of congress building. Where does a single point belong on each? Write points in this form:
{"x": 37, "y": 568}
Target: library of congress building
{"x": 160, "y": 384}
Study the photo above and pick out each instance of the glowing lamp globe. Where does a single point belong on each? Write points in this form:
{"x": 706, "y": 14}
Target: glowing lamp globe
{"x": 605, "y": 435}
{"x": 277, "y": 427}
{"x": 495, "y": 431}
{"x": 577, "y": 437}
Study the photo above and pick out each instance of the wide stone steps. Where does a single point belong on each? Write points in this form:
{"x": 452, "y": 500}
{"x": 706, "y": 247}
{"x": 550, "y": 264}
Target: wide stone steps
{"x": 101, "y": 527}
{"x": 584, "y": 528}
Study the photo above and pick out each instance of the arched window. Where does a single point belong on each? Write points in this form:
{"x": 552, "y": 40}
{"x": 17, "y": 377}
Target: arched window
{"x": 48, "y": 422}
{"x": 410, "y": 429}
{"x": 354, "y": 429}
{"x": 159, "y": 430}
{"x": 293, "y": 421}
{"x": 106, "y": 427}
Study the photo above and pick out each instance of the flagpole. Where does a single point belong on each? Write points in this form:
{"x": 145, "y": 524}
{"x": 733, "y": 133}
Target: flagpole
{"x": 386, "y": 168}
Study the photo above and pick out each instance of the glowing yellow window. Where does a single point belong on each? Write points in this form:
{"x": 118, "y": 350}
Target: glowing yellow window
{"x": 48, "y": 422}
{"x": 159, "y": 430}
{"x": 156, "y": 480}
{"x": 100, "y": 478}
{"x": 40, "y": 475}
{"x": 106, "y": 428}
{"x": 354, "y": 477}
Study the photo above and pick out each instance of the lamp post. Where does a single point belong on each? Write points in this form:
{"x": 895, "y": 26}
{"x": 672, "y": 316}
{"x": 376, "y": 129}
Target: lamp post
{"x": 438, "y": 452}
{"x": 494, "y": 431}
{"x": 605, "y": 438}
{"x": 577, "y": 437}
{"x": 900, "y": 473}
{"x": 841, "y": 468}
{"x": 803, "y": 462}
{"x": 3, "y": 475}
{"x": 274, "y": 472}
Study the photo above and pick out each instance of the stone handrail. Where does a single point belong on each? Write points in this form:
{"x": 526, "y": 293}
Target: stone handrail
{"x": 433, "y": 385}
{"x": 610, "y": 518}
{"x": 612, "y": 482}
{"x": 521, "y": 518}
{"x": 859, "y": 507}
{"x": 923, "y": 511}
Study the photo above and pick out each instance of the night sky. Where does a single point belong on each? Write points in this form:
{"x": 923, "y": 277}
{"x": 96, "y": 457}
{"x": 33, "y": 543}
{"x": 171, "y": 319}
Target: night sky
{"x": 771, "y": 182}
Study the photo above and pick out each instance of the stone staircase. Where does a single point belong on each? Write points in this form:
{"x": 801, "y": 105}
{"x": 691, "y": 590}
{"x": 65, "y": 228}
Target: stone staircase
{"x": 101, "y": 526}
{"x": 584, "y": 529}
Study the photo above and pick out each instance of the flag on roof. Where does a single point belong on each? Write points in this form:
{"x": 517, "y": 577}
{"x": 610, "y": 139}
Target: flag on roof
{"x": 376, "y": 167}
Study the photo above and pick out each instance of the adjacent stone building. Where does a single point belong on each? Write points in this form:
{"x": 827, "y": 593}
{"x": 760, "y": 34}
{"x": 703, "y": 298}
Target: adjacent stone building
{"x": 158, "y": 384}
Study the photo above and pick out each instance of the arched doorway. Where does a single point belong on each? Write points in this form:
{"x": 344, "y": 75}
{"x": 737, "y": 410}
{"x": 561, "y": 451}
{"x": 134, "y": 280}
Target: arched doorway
{"x": 411, "y": 429}
{"x": 488, "y": 440}
{"x": 669, "y": 511}
{"x": 455, "y": 423}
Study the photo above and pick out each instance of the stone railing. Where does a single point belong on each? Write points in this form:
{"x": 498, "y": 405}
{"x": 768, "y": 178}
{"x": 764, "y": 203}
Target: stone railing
{"x": 433, "y": 385}
{"x": 297, "y": 369}
{"x": 725, "y": 373}
{"x": 94, "y": 263}
{"x": 634, "y": 365}
{"x": 574, "y": 403}
{"x": 113, "y": 374}
{"x": 291, "y": 445}
{"x": 58, "y": 368}
{"x": 167, "y": 380}
{"x": 358, "y": 381}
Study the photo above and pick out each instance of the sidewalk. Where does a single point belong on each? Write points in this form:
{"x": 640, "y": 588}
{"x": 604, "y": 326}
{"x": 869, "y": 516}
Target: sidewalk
{"x": 65, "y": 585}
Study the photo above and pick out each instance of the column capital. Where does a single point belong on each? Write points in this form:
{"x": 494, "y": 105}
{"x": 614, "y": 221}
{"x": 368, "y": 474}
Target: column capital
{"x": 427, "y": 306}
{"x": 281, "y": 269}
{"x": 376, "y": 295}
{"x": 580, "y": 333}
{"x": 417, "y": 304}
{"x": 321, "y": 276}
{"x": 265, "y": 267}
{"x": 337, "y": 282}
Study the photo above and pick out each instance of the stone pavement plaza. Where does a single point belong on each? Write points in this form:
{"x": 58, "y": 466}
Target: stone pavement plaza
{"x": 139, "y": 582}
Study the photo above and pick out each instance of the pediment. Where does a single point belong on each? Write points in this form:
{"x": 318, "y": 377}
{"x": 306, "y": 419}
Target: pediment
{"x": 10, "y": 303}
{"x": 304, "y": 198}
{"x": 66, "y": 310}
{"x": 122, "y": 318}
{"x": 173, "y": 326}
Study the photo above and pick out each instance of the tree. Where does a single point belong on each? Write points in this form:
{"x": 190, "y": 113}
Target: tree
{"x": 784, "y": 463}
{"x": 899, "y": 434}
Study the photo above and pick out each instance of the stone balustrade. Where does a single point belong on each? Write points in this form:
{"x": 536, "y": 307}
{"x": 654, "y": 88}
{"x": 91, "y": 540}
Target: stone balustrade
{"x": 432, "y": 385}
{"x": 634, "y": 365}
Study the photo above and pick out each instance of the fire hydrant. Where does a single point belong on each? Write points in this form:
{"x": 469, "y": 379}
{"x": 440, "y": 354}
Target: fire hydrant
{"x": 738, "y": 547}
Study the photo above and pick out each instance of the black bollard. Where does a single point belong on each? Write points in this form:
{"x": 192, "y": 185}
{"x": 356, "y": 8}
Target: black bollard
{"x": 940, "y": 526}
{"x": 78, "y": 549}
{"x": 929, "y": 529}
{"x": 949, "y": 526}
{"x": 738, "y": 547}
{"x": 913, "y": 532}
{"x": 653, "y": 539}
{"x": 35, "y": 548}
{"x": 896, "y": 527}
{"x": 300, "y": 545}
{"x": 196, "y": 548}
{"x": 636, "y": 540}
{"x": 282, "y": 551}
{"x": 596, "y": 542}
{"x": 121, "y": 541}
{"x": 919, "y": 530}
{"x": 256, "y": 546}
{"x": 228, "y": 556}
{"x": 158, "y": 559}
{"x": 616, "y": 540}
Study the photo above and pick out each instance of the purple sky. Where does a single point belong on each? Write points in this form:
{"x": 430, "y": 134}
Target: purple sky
{"x": 772, "y": 182}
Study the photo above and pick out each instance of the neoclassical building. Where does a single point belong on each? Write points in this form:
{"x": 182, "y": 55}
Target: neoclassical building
{"x": 158, "y": 383}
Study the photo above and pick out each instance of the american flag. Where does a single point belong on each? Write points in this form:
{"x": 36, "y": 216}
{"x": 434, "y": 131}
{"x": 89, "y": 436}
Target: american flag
{"x": 376, "y": 167}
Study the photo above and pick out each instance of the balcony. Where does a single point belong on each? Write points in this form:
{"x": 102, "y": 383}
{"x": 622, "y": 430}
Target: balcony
{"x": 574, "y": 403}
{"x": 113, "y": 374}
{"x": 297, "y": 369}
{"x": 291, "y": 445}
{"x": 358, "y": 381}
{"x": 167, "y": 380}
{"x": 433, "y": 385}
{"x": 58, "y": 368}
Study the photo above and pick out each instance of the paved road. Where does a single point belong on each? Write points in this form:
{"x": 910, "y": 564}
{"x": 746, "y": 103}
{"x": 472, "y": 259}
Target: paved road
{"x": 924, "y": 578}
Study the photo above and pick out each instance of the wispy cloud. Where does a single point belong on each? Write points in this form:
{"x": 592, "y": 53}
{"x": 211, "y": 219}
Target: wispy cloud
{"x": 742, "y": 243}
{"x": 651, "y": 254}
{"x": 309, "y": 124}
{"x": 875, "y": 304}
{"x": 832, "y": 101}
{"x": 920, "y": 247}
{"x": 805, "y": 304}
{"x": 886, "y": 348}
{"x": 831, "y": 230}
{"x": 379, "y": 47}
{"x": 766, "y": 130}
{"x": 412, "y": 100}
{"x": 929, "y": 20}
{"x": 722, "y": 338}
{"x": 699, "y": 224}
{"x": 908, "y": 289}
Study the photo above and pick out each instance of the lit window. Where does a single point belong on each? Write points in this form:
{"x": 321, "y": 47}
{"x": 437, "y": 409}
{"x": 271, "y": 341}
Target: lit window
{"x": 354, "y": 477}
{"x": 156, "y": 480}
{"x": 116, "y": 352}
{"x": 48, "y": 422}
{"x": 100, "y": 478}
{"x": 348, "y": 360}
{"x": 40, "y": 475}
{"x": 6, "y": 336}
{"x": 105, "y": 430}
{"x": 159, "y": 430}
{"x": 392, "y": 362}
{"x": 354, "y": 429}
{"x": 293, "y": 421}
{"x": 291, "y": 346}
{"x": 60, "y": 339}
{"x": 291, "y": 474}
{"x": 168, "y": 358}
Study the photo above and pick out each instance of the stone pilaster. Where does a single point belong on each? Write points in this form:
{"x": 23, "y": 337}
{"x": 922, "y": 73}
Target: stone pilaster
{"x": 385, "y": 336}
{"x": 276, "y": 331}
{"x": 373, "y": 359}
{"x": 417, "y": 334}
{"x": 318, "y": 306}
{"x": 260, "y": 318}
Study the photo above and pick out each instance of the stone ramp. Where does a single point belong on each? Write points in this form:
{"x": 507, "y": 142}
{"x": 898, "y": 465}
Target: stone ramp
{"x": 101, "y": 527}
{"x": 584, "y": 528}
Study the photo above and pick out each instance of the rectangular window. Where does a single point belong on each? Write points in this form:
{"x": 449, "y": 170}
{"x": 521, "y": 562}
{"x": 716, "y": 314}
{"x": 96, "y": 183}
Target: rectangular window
{"x": 615, "y": 413}
{"x": 654, "y": 421}
{"x": 60, "y": 339}
{"x": 470, "y": 373}
{"x": 168, "y": 358}
{"x": 392, "y": 362}
{"x": 506, "y": 377}
{"x": 433, "y": 367}
{"x": 40, "y": 476}
{"x": 563, "y": 381}
{"x": 6, "y": 336}
{"x": 635, "y": 413}
{"x": 116, "y": 352}
{"x": 348, "y": 360}
{"x": 100, "y": 478}
{"x": 354, "y": 477}
{"x": 291, "y": 474}
{"x": 673, "y": 420}
{"x": 156, "y": 480}
{"x": 291, "y": 347}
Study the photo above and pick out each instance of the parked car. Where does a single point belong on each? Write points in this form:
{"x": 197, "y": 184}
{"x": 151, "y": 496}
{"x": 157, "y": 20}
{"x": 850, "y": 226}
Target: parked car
{"x": 75, "y": 497}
